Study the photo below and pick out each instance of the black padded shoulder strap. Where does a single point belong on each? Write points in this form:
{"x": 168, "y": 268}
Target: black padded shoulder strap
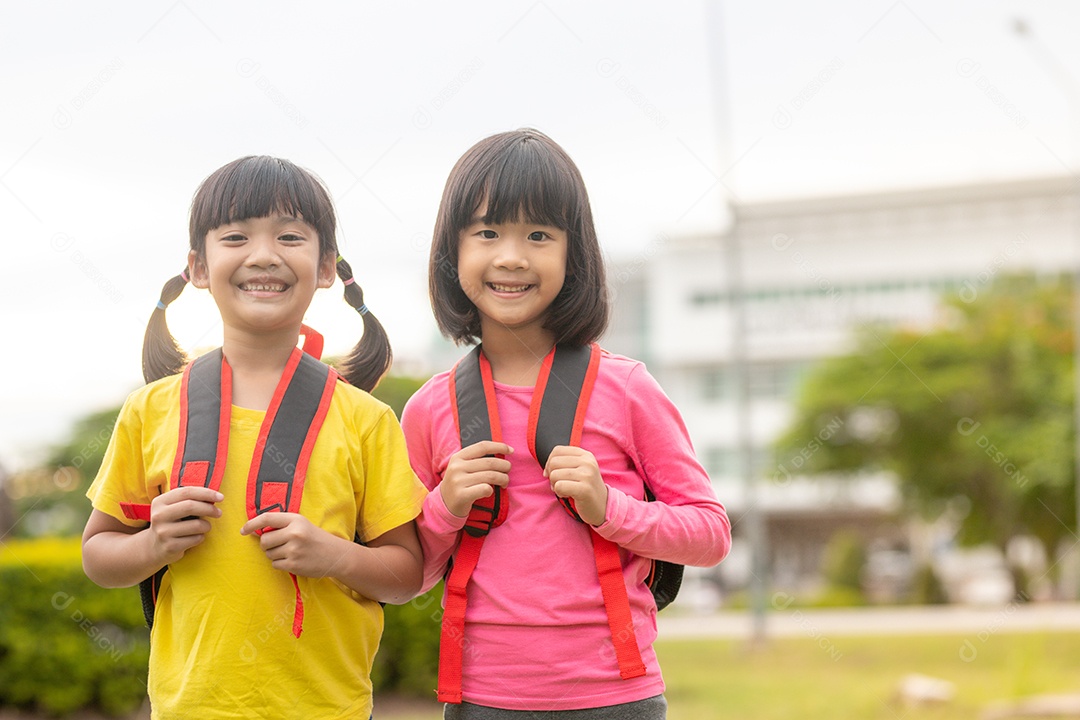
{"x": 206, "y": 393}
{"x": 470, "y": 397}
{"x": 563, "y": 390}
{"x": 299, "y": 407}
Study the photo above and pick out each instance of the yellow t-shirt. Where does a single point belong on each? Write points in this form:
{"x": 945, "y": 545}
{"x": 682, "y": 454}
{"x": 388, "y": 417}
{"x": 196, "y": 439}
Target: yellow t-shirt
{"x": 222, "y": 644}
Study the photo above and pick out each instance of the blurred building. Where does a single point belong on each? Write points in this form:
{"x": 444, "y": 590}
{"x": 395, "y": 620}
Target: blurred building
{"x": 812, "y": 270}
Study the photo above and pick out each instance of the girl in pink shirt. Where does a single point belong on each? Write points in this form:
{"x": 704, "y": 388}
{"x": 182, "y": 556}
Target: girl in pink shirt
{"x": 529, "y": 625}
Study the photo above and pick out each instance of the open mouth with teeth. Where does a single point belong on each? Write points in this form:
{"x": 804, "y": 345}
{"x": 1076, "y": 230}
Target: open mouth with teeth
{"x": 264, "y": 287}
{"x": 501, "y": 288}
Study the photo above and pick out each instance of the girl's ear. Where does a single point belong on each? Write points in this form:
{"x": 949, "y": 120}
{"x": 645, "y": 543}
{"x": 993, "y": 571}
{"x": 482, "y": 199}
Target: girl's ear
{"x": 198, "y": 273}
{"x": 327, "y": 271}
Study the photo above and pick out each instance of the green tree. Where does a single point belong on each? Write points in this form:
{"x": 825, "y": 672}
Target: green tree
{"x": 85, "y": 447}
{"x": 395, "y": 390}
{"x": 979, "y": 406}
{"x": 50, "y": 500}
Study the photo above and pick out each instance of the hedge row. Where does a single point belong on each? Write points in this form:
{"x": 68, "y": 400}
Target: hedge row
{"x": 67, "y": 644}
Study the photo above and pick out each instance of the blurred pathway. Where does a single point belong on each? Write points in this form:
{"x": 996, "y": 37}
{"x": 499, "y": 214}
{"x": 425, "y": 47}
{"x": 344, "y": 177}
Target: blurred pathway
{"x": 944, "y": 619}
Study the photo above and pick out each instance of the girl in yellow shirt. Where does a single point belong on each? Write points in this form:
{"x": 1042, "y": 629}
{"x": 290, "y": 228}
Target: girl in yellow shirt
{"x": 271, "y": 610}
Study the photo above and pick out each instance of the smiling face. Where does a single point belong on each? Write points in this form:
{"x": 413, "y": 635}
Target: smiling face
{"x": 512, "y": 272}
{"x": 505, "y": 179}
{"x": 262, "y": 273}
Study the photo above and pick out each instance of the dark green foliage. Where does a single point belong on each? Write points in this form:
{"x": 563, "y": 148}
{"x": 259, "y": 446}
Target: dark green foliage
{"x": 51, "y": 500}
{"x": 395, "y": 390}
{"x": 845, "y": 556}
{"x": 926, "y": 587}
{"x": 85, "y": 448}
{"x": 65, "y": 643}
{"x": 408, "y": 658}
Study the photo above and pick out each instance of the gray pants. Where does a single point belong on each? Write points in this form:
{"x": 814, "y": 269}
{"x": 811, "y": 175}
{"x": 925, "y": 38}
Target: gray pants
{"x": 654, "y": 708}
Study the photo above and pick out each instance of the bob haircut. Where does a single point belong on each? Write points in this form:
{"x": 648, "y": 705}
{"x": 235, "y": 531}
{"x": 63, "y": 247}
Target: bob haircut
{"x": 257, "y": 186}
{"x": 520, "y": 175}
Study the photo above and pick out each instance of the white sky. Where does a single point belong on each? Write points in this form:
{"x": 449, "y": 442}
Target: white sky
{"x": 111, "y": 118}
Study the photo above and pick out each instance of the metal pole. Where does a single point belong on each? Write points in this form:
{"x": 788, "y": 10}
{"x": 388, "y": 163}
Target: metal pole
{"x": 737, "y": 303}
{"x": 754, "y": 516}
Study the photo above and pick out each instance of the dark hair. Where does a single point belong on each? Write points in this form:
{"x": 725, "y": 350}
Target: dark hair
{"x": 522, "y": 174}
{"x": 254, "y": 187}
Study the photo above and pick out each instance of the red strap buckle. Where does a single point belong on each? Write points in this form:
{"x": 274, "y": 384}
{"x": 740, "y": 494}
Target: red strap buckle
{"x": 486, "y": 513}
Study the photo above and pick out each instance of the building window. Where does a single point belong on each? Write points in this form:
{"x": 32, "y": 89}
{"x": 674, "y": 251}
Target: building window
{"x": 714, "y": 385}
{"x": 722, "y": 461}
{"x": 774, "y": 381}
{"x": 716, "y": 461}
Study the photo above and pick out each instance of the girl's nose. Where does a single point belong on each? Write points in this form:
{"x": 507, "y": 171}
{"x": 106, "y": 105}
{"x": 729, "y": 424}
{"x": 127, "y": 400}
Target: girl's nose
{"x": 263, "y": 253}
{"x": 512, "y": 254}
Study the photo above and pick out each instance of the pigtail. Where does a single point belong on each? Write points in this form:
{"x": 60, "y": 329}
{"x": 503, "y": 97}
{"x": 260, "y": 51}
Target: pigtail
{"x": 161, "y": 355}
{"x": 371, "y": 358}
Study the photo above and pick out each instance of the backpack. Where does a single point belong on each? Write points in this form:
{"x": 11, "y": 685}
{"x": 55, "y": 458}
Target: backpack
{"x": 556, "y": 417}
{"x": 286, "y": 438}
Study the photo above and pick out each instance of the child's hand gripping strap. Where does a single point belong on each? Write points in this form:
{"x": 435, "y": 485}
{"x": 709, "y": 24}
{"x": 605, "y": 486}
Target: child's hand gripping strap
{"x": 556, "y": 417}
{"x": 206, "y": 404}
{"x": 282, "y": 451}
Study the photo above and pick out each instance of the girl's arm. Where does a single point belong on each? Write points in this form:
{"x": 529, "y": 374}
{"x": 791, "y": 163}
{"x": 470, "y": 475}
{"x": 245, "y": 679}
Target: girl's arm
{"x": 389, "y": 568}
{"x": 114, "y": 554}
{"x": 685, "y": 524}
{"x": 438, "y": 527}
{"x": 439, "y": 530}
{"x": 118, "y": 555}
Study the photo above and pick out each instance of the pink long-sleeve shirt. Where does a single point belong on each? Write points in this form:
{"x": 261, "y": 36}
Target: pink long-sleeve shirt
{"x": 536, "y": 631}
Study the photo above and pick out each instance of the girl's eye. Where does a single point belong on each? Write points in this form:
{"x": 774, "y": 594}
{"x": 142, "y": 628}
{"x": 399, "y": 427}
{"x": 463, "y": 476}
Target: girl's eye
{"x": 488, "y": 234}
{"x": 234, "y": 237}
{"x": 538, "y": 235}
{"x": 289, "y": 237}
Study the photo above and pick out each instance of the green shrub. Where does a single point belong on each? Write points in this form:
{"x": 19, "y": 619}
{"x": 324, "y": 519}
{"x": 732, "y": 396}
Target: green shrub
{"x": 65, "y": 643}
{"x": 408, "y": 658}
{"x": 843, "y": 560}
{"x": 927, "y": 588}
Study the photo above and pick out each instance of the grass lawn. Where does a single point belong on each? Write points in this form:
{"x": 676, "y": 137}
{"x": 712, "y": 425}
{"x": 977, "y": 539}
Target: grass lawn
{"x": 849, "y": 678}
{"x": 856, "y": 677}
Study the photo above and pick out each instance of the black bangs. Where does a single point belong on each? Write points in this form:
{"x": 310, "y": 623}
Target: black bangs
{"x": 258, "y": 186}
{"x": 522, "y": 180}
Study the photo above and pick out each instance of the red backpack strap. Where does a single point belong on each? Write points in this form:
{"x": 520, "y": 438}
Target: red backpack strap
{"x": 556, "y": 417}
{"x": 557, "y": 412}
{"x": 205, "y": 409}
{"x": 287, "y": 435}
{"x": 286, "y": 439}
{"x": 476, "y": 415}
{"x": 313, "y": 341}
{"x": 205, "y": 405}
{"x": 282, "y": 451}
